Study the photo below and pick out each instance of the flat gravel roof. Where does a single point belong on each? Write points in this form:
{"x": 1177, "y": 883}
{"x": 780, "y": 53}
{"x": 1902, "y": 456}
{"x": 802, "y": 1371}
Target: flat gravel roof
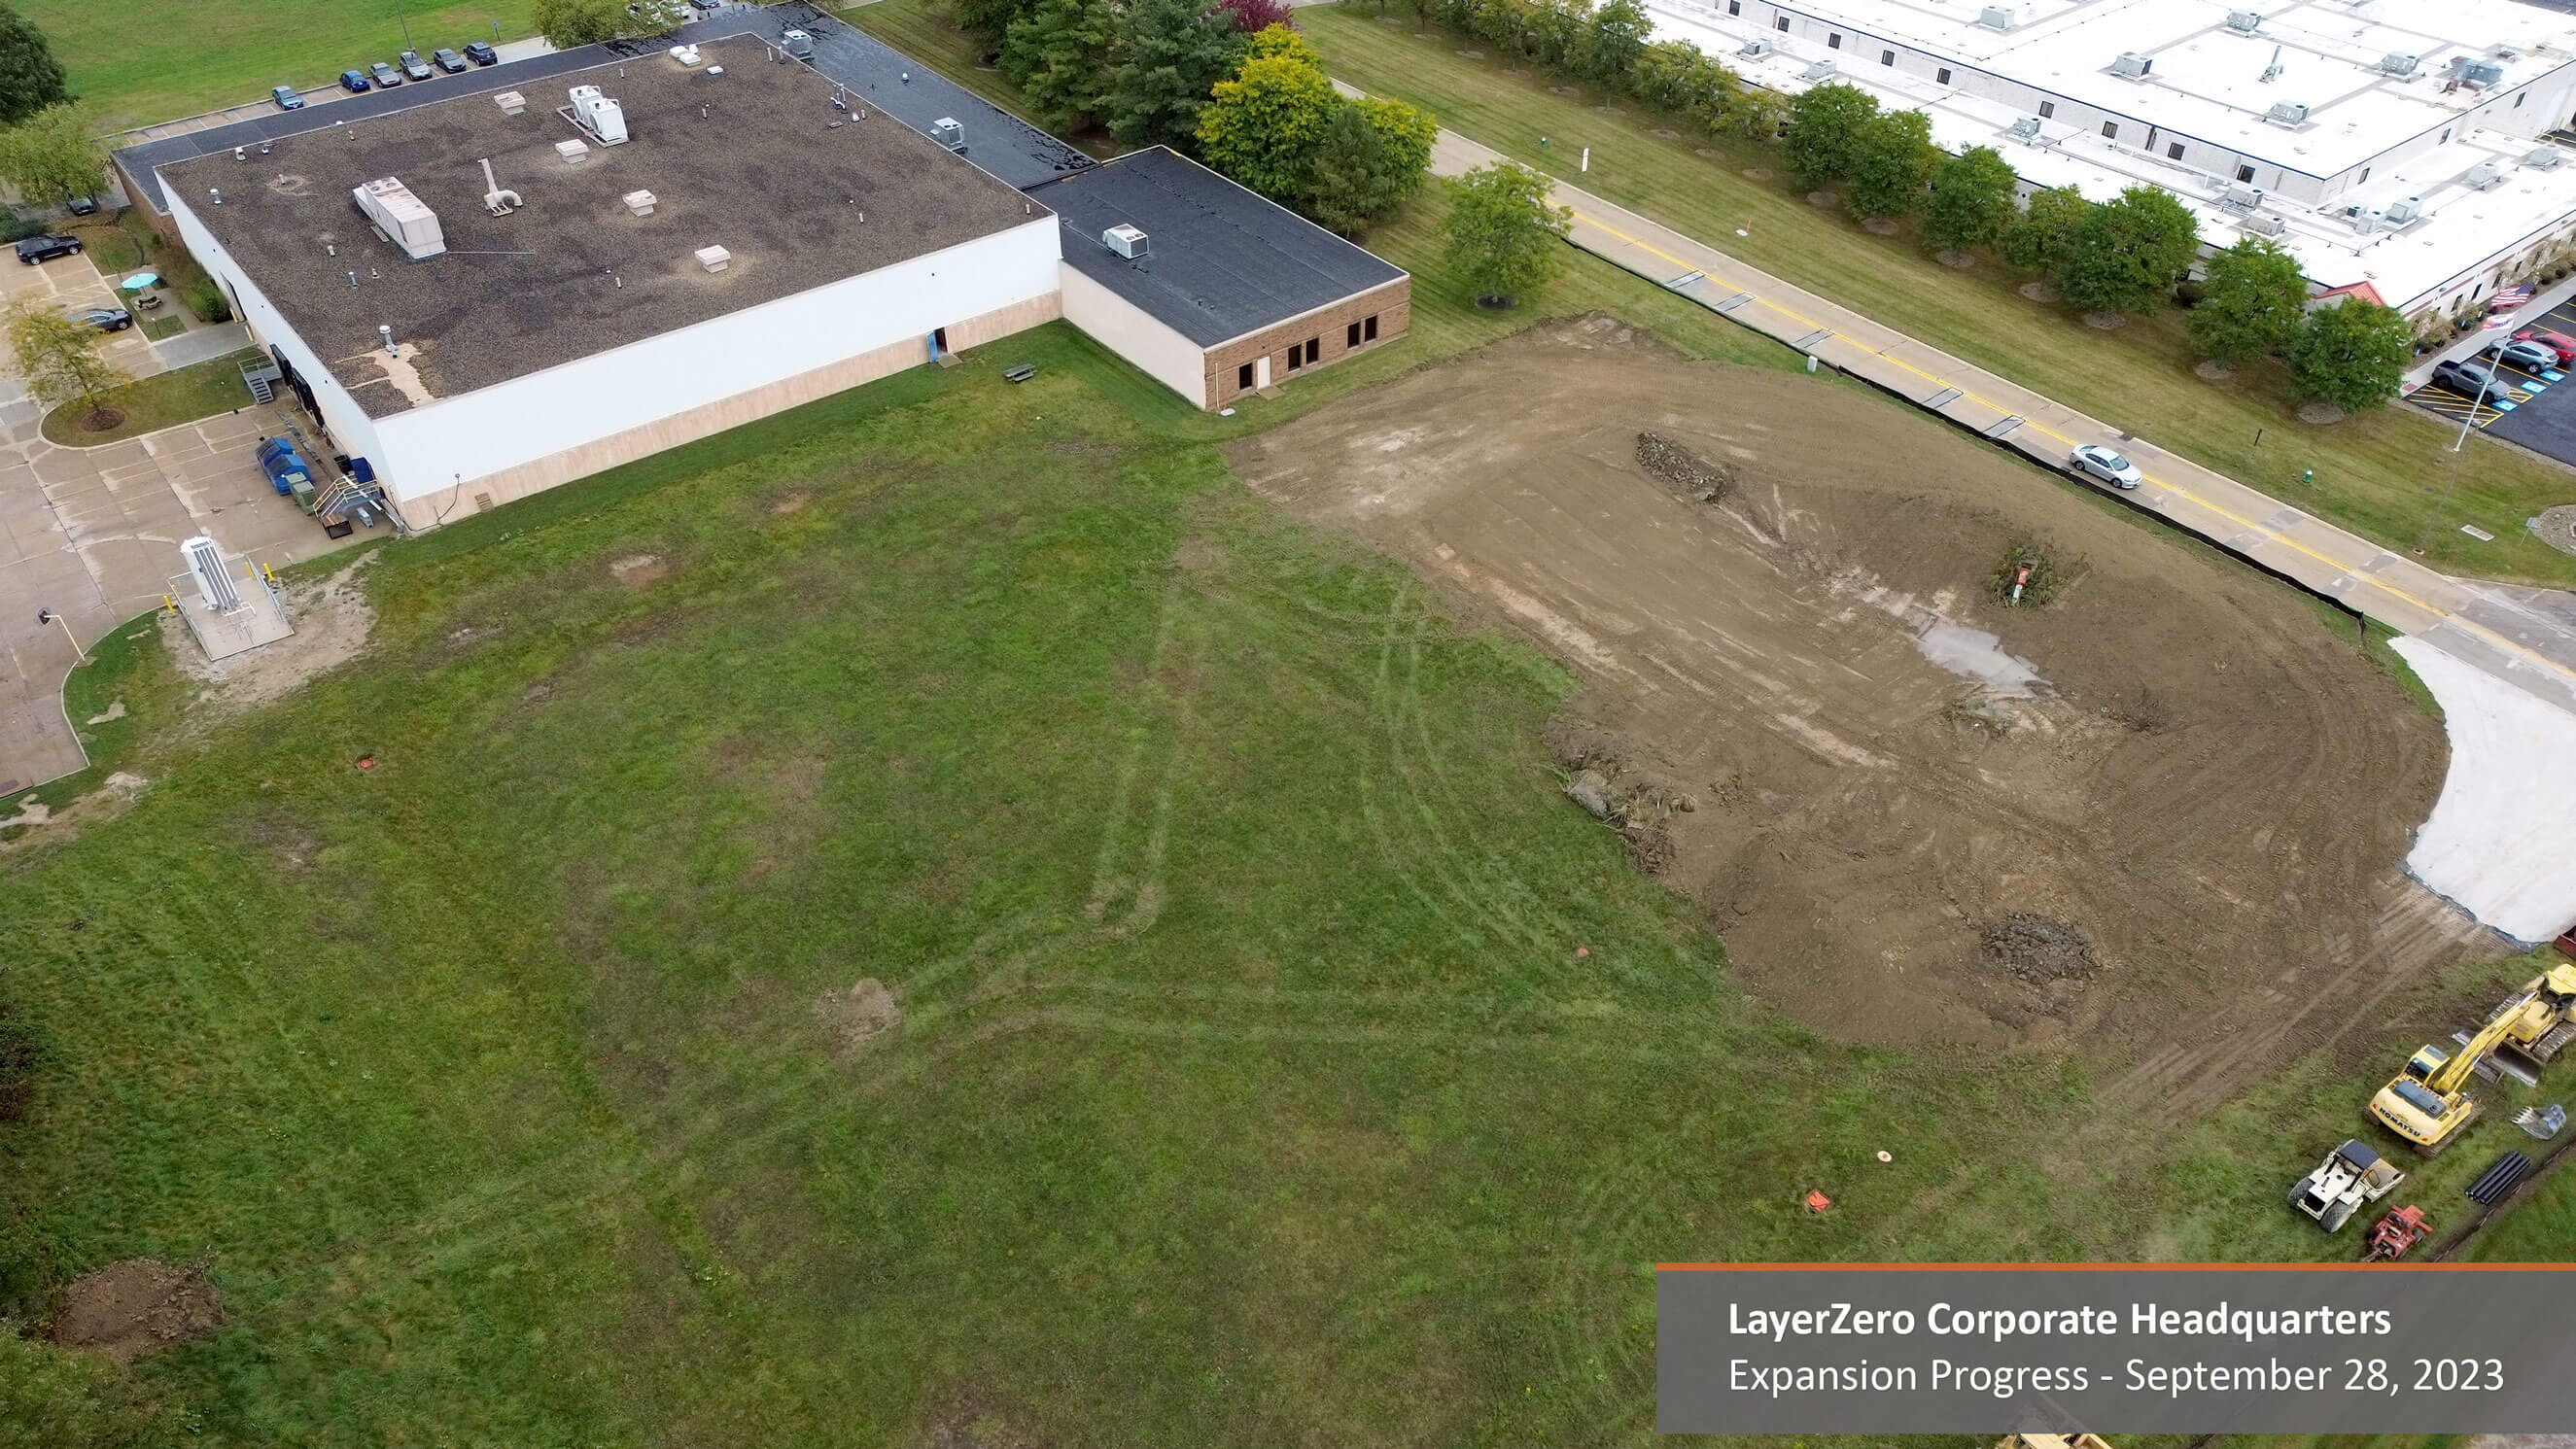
{"x": 1223, "y": 260}
{"x": 800, "y": 195}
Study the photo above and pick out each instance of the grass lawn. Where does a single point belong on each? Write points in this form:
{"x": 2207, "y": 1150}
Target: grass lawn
{"x": 165, "y": 399}
{"x": 157, "y": 60}
{"x": 2379, "y": 474}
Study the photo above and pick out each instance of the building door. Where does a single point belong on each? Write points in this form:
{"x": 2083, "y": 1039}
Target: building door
{"x": 938, "y": 342}
{"x": 1261, "y": 371}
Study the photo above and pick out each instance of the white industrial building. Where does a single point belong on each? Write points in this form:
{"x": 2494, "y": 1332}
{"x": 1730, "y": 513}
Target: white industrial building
{"x": 2399, "y": 147}
{"x": 498, "y": 293}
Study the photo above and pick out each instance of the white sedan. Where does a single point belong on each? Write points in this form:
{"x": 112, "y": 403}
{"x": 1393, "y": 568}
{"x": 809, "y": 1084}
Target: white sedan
{"x": 2095, "y": 461}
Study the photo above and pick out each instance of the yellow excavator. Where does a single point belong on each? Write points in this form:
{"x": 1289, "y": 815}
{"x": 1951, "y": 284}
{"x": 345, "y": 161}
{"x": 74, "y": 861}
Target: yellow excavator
{"x": 2428, "y": 1103}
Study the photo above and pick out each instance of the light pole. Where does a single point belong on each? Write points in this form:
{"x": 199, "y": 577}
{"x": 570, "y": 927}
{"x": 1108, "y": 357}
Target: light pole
{"x": 48, "y": 616}
{"x": 2451, "y": 478}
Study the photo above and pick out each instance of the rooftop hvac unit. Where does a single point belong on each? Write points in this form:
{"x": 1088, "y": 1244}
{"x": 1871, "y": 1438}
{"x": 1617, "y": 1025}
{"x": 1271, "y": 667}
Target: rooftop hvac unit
{"x": 2396, "y": 64}
{"x": 1819, "y": 71}
{"x": 2287, "y": 113}
{"x": 2241, "y": 198}
{"x": 2132, "y": 64}
{"x": 2362, "y": 218}
{"x": 714, "y": 259}
{"x": 2545, "y": 158}
{"x": 797, "y": 43}
{"x": 947, "y": 132}
{"x": 1127, "y": 242}
{"x": 640, "y": 203}
{"x": 2403, "y": 210}
{"x": 686, "y": 55}
{"x": 572, "y": 151}
{"x": 1754, "y": 48}
{"x": 2485, "y": 176}
{"x": 2026, "y": 129}
{"x": 401, "y": 217}
{"x": 2469, "y": 71}
{"x": 598, "y": 115}
{"x": 510, "y": 102}
{"x": 2261, "y": 225}
{"x": 1996, "y": 17}
{"x": 2244, "y": 22}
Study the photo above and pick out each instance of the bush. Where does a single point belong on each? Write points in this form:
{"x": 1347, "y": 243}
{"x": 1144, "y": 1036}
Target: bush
{"x": 14, "y": 227}
{"x": 207, "y": 301}
{"x": 2050, "y": 572}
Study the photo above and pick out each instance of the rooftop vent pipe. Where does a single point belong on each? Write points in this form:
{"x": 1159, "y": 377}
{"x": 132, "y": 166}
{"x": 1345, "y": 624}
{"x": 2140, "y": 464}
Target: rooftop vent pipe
{"x": 495, "y": 200}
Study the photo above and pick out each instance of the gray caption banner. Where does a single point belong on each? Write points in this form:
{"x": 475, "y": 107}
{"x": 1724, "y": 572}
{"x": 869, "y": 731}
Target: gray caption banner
{"x": 2378, "y": 1349}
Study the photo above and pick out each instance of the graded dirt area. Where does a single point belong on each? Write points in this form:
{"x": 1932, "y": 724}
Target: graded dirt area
{"x": 138, "y": 1306}
{"x": 2159, "y": 814}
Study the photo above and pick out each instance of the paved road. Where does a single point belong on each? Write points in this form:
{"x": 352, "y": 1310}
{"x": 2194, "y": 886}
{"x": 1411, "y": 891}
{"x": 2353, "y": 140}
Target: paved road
{"x": 2515, "y": 634}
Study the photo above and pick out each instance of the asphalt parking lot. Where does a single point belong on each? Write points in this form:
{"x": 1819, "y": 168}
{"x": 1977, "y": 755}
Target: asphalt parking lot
{"x": 2539, "y": 412}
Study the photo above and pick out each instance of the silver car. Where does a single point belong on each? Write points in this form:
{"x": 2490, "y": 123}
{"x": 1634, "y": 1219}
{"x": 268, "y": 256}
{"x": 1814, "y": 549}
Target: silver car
{"x": 2529, "y": 356}
{"x": 2095, "y": 461}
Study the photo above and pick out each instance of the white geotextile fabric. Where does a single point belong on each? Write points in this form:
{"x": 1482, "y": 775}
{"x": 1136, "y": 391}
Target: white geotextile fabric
{"x": 2501, "y": 842}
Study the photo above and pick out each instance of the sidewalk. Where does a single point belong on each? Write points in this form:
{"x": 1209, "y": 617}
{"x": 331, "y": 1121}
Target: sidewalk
{"x": 2512, "y": 634}
{"x": 2527, "y": 315}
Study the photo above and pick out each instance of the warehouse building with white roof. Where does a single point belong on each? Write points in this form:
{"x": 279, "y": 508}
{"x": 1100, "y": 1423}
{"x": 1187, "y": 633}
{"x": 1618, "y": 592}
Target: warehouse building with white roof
{"x": 2400, "y": 148}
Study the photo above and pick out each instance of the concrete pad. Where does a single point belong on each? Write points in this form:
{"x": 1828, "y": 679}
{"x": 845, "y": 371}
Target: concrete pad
{"x": 2501, "y": 842}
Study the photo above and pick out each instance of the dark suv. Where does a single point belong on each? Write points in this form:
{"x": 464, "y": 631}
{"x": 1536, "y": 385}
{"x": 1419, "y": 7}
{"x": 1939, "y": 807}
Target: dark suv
{"x": 44, "y": 248}
{"x": 482, "y": 54}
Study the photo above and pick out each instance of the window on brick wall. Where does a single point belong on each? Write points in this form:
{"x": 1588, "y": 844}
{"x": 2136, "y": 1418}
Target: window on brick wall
{"x": 1351, "y": 335}
{"x": 1243, "y": 378}
{"x": 1314, "y": 349}
{"x": 1368, "y": 328}
{"x": 1296, "y": 358}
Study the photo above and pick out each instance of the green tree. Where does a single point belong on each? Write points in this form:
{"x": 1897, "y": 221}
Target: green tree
{"x": 30, "y": 78}
{"x": 1752, "y": 112}
{"x": 1502, "y": 235}
{"x": 58, "y": 358}
{"x": 2351, "y": 354}
{"x": 1892, "y": 162}
{"x": 1279, "y": 42}
{"x": 2130, "y": 252}
{"x": 1055, "y": 55}
{"x": 50, "y": 156}
{"x": 2041, "y": 239}
{"x": 567, "y": 23}
{"x": 2252, "y": 303}
{"x": 1675, "y": 77}
{"x": 1613, "y": 40}
{"x": 1172, "y": 55}
{"x": 988, "y": 22}
{"x": 1556, "y": 29}
{"x": 1371, "y": 161}
{"x": 1505, "y": 25}
{"x": 1263, "y": 127}
{"x": 1825, "y": 128}
{"x": 1971, "y": 204}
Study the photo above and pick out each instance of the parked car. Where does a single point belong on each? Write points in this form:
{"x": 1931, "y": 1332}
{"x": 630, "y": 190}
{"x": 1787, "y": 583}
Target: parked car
{"x": 288, "y": 98}
{"x": 448, "y": 60}
{"x": 353, "y": 81}
{"x": 2529, "y": 356}
{"x": 105, "y": 319}
{"x": 2095, "y": 461}
{"x": 481, "y": 53}
{"x": 44, "y": 248}
{"x": 413, "y": 67}
{"x": 2469, "y": 379}
{"x": 82, "y": 206}
{"x": 2558, "y": 342}
{"x": 385, "y": 76}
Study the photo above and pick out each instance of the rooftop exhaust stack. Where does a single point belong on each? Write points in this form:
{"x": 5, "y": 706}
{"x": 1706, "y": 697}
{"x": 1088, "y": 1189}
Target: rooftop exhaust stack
{"x": 511, "y": 103}
{"x": 495, "y": 200}
{"x": 1127, "y": 241}
{"x": 400, "y": 217}
{"x": 572, "y": 151}
{"x": 640, "y": 203}
{"x": 599, "y": 115}
{"x": 714, "y": 259}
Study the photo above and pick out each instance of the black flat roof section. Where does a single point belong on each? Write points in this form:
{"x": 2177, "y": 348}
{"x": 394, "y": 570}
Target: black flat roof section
{"x": 996, "y": 140}
{"x": 764, "y": 172}
{"x": 1224, "y": 260}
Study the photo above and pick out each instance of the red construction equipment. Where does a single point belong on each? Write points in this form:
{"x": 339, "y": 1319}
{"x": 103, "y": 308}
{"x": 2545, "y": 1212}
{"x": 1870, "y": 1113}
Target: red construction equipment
{"x": 2400, "y": 1230}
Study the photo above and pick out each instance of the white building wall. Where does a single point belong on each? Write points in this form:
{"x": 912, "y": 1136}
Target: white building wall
{"x": 348, "y": 423}
{"x": 457, "y": 440}
{"x": 1124, "y": 328}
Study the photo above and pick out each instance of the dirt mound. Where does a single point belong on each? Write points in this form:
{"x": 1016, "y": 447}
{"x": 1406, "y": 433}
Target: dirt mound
{"x": 2039, "y": 950}
{"x": 2177, "y": 760}
{"x": 858, "y": 1016}
{"x": 136, "y": 1307}
{"x": 1695, "y": 477}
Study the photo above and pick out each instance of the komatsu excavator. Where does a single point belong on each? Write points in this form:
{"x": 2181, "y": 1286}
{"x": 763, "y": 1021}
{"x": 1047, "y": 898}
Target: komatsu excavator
{"x": 2428, "y": 1104}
